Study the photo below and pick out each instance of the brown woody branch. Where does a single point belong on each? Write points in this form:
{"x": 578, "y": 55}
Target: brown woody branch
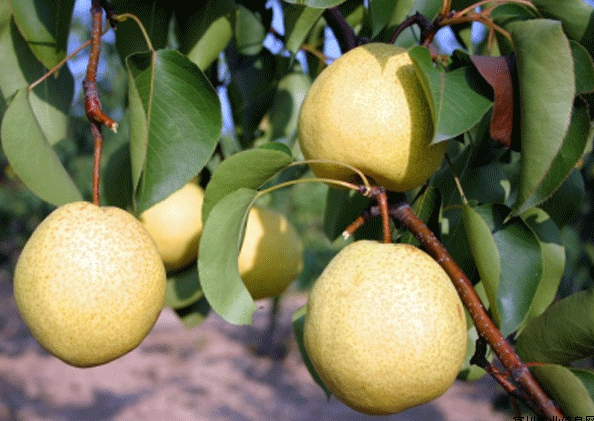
{"x": 428, "y": 29}
{"x": 484, "y": 325}
{"x": 530, "y": 391}
{"x": 480, "y": 359}
{"x": 93, "y": 108}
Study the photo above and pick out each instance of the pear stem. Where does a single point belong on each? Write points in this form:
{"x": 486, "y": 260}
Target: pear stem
{"x": 289, "y": 183}
{"x": 519, "y": 372}
{"x": 93, "y": 108}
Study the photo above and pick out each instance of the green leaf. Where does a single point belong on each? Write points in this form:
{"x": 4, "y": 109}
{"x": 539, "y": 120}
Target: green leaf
{"x": 380, "y": 11}
{"x": 552, "y": 257}
{"x": 317, "y": 4}
{"x": 31, "y": 155}
{"x": 45, "y": 25}
{"x": 298, "y": 325}
{"x": 217, "y": 261}
{"x": 486, "y": 254}
{"x": 342, "y": 208}
{"x": 486, "y": 184}
{"x": 204, "y": 29}
{"x": 183, "y": 288}
{"x": 563, "y": 333}
{"x": 457, "y": 104}
{"x": 249, "y": 31}
{"x": 575, "y": 15}
{"x": 116, "y": 182}
{"x": 564, "y": 161}
{"x": 277, "y": 146}
{"x": 508, "y": 257}
{"x": 284, "y": 112}
{"x": 505, "y": 14}
{"x": 49, "y": 100}
{"x": 194, "y": 314}
{"x": 251, "y": 92}
{"x": 566, "y": 202}
{"x": 247, "y": 169}
{"x": 568, "y": 387}
{"x": 298, "y": 22}
{"x": 456, "y": 241}
{"x": 175, "y": 123}
{"x": 155, "y": 16}
{"x": 584, "y": 69}
{"x": 547, "y": 90}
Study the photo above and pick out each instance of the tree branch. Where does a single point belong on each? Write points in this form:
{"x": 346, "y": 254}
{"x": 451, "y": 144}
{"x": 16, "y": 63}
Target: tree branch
{"x": 519, "y": 372}
{"x": 428, "y": 29}
{"x": 345, "y": 36}
{"x": 93, "y": 108}
{"x": 529, "y": 389}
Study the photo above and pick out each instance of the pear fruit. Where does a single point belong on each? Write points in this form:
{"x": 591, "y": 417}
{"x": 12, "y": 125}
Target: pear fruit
{"x": 175, "y": 224}
{"x": 368, "y": 109}
{"x": 89, "y": 283}
{"x": 385, "y": 328}
{"x": 271, "y": 253}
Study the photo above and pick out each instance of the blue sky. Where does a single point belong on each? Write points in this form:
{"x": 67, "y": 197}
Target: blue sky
{"x": 78, "y": 63}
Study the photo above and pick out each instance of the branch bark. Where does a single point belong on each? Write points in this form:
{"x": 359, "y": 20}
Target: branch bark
{"x": 93, "y": 108}
{"x": 519, "y": 372}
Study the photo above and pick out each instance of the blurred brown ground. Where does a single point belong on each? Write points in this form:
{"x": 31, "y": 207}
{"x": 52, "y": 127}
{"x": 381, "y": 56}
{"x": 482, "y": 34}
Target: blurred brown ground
{"x": 206, "y": 373}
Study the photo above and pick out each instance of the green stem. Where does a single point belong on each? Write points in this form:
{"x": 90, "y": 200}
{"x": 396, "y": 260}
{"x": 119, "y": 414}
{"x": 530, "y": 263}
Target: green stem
{"x": 356, "y": 170}
{"x": 338, "y": 183}
{"x": 124, "y": 16}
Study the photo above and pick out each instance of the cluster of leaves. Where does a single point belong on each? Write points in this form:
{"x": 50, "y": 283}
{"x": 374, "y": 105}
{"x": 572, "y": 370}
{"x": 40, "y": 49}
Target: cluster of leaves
{"x": 513, "y": 208}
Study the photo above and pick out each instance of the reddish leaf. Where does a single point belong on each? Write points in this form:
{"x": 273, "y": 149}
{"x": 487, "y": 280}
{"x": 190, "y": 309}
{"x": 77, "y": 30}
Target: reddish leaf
{"x": 497, "y": 71}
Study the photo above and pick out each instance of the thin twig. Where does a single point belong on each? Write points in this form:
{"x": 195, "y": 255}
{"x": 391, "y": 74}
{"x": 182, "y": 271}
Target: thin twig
{"x": 379, "y": 194}
{"x": 483, "y": 2}
{"x": 382, "y": 201}
{"x": 92, "y": 101}
{"x": 98, "y": 147}
{"x": 367, "y": 214}
{"x": 475, "y": 17}
{"x": 428, "y": 30}
{"x": 93, "y": 109}
{"x": 480, "y": 359}
{"x": 446, "y": 7}
{"x": 58, "y": 66}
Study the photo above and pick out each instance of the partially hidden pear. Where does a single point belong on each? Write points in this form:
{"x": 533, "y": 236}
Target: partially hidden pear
{"x": 271, "y": 253}
{"x": 175, "y": 224}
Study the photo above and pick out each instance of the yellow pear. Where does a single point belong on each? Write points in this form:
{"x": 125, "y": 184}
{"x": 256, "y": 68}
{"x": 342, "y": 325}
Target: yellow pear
{"x": 385, "y": 328}
{"x": 89, "y": 283}
{"x": 175, "y": 224}
{"x": 368, "y": 109}
{"x": 271, "y": 253}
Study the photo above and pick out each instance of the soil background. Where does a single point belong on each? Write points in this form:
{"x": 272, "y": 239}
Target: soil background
{"x": 210, "y": 372}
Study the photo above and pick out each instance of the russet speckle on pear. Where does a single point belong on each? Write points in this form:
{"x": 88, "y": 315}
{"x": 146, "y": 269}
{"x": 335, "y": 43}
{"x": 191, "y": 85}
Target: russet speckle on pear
{"x": 385, "y": 328}
{"x": 368, "y": 109}
{"x": 89, "y": 283}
